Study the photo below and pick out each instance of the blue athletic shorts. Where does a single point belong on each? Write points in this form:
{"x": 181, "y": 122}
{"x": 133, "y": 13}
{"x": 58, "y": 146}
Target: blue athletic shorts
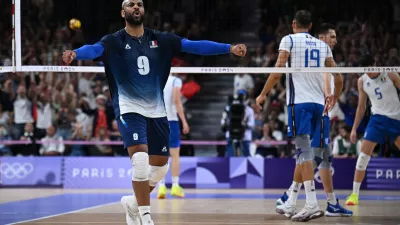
{"x": 381, "y": 127}
{"x": 136, "y": 129}
{"x": 175, "y": 135}
{"x": 307, "y": 119}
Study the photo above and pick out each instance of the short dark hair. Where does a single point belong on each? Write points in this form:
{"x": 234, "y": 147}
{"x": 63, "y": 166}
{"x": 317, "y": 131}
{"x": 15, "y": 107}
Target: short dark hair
{"x": 324, "y": 28}
{"x": 303, "y": 18}
{"x": 366, "y": 60}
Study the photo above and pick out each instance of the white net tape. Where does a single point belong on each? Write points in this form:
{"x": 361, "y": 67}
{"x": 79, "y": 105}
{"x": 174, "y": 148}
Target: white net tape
{"x": 208, "y": 70}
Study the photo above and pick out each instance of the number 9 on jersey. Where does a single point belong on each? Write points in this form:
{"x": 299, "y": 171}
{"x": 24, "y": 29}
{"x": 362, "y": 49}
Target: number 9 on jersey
{"x": 143, "y": 65}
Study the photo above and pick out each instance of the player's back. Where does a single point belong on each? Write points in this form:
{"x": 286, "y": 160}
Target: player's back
{"x": 170, "y": 105}
{"x": 306, "y": 51}
{"x": 137, "y": 70}
{"x": 383, "y": 95}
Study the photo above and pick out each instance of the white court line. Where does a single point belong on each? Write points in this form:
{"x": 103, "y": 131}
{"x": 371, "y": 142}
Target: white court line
{"x": 61, "y": 214}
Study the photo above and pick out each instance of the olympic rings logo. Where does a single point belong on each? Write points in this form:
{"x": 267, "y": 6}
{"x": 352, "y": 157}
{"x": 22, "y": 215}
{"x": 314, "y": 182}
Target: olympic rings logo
{"x": 16, "y": 170}
{"x": 318, "y": 178}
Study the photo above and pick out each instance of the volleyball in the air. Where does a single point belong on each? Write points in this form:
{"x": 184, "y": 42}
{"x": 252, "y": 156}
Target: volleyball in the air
{"x": 74, "y": 24}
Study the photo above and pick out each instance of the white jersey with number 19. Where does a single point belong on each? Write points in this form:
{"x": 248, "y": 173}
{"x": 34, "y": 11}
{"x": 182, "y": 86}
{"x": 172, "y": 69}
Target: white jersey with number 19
{"x": 305, "y": 51}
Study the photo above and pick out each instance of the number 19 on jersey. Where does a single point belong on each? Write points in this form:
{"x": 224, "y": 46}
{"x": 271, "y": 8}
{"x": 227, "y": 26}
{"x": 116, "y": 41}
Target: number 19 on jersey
{"x": 312, "y": 58}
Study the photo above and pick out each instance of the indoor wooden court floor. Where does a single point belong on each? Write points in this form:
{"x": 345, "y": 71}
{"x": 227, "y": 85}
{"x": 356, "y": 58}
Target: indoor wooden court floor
{"x": 205, "y": 207}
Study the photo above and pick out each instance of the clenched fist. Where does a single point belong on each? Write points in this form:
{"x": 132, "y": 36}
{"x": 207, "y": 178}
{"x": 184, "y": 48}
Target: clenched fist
{"x": 239, "y": 50}
{"x": 68, "y": 56}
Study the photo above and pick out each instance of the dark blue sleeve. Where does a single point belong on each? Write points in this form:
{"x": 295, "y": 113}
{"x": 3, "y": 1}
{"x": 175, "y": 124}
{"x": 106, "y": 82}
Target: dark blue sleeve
{"x": 102, "y": 49}
{"x": 87, "y": 52}
{"x": 173, "y": 42}
{"x": 204, "y": 47}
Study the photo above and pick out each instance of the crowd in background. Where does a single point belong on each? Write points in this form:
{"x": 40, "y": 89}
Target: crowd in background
{"x": 77, "y": 106}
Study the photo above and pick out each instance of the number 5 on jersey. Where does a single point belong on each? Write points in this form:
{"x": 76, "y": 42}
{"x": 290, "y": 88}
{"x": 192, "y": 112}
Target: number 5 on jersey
{"x": 143, "y": 65}
{"x": 378, "y": 93}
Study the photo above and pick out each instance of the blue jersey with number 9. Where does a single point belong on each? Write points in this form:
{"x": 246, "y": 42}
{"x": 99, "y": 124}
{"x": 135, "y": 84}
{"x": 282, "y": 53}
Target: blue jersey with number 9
{"x": 137, "y": 70}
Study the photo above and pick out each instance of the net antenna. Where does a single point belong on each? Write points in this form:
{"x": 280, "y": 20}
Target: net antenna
{"x": 13, "y": 35}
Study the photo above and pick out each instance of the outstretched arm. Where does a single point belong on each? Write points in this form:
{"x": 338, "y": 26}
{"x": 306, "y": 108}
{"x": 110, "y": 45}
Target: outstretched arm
{"x": 211, "y": 48}
{"x": 88, "y": 52}
{"x": 85, "y": 52}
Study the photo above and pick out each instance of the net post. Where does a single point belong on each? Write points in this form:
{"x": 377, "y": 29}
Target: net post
{"x": 18, "y": 56}
{"x": 13, "y": 35}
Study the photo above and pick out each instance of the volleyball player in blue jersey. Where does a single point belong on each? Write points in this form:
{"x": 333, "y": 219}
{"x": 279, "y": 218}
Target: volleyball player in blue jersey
{"x": 137, "y": 63}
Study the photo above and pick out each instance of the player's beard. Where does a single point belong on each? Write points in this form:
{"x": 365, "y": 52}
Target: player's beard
{"x": 132, "y": 20}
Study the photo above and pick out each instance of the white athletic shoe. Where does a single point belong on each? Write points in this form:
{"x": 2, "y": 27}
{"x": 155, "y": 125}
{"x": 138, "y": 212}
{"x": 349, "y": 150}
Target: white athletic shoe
{"x": 308, "y": 213}
{"x": 131, "y": 210}
{"x": 286, "y": 210}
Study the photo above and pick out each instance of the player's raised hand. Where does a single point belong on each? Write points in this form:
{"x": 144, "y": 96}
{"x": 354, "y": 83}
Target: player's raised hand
{"x": 239, "y": 50}
{"x": 260, "y": 101}
{"x": 68, "y": 56}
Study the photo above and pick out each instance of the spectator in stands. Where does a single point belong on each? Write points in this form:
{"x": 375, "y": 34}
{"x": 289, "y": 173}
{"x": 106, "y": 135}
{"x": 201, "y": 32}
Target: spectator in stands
{"x": 78, "y": 135}
{"x": 342, "y": 146}
{"x": 27, "y": 149}
{"x": 101, "y": 149}
{"x": 78, "y": 116}
{"x": 267, "y": 150}
{"x": 116, "y": 136}
{"x": 7, "y": 95}
{"x": 243, "y": 82}
{"x": 63, "y": 123}
{"x": 44, "y": 115}
{"x": 257, "y": 59}
{"x": 273, "y": 116}
{"x": 102, "y": 116}
{"x": 54, "y": 147}
{"x": 4, "y": 136}
{"x": 22, "y": 111}
{"x": 189, "y": 87}
{"x": 109, "y": 106}
{"x": 5, "y": 120}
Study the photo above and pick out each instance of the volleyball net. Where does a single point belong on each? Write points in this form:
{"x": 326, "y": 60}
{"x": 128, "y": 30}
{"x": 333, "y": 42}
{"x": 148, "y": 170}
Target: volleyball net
{"x": 310, "y": 64}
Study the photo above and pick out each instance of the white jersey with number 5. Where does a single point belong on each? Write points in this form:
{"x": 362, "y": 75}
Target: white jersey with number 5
{"x": 305, "y": 51}
{"x": 383, "y": 95}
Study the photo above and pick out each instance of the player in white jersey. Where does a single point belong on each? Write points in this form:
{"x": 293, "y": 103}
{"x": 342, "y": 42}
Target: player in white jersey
{"x": 323, "y": 154}
{"x": 382, "y": 91}
{"x": 174, "y": 108}
{"x": 305, "y": 100}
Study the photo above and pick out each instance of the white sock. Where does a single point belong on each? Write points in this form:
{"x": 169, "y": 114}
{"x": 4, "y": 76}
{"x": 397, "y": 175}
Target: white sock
{"x": 175, "y": 180}
{"x": 162, "y": 182}
{"x": 288, "y": 192}
{"x": 294, "y": 193}
{"x": 311, "y": 195}
{"x": 356, "y": 188}
{"x": 144, "y": 212}
{"x": 331, "y": 198}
